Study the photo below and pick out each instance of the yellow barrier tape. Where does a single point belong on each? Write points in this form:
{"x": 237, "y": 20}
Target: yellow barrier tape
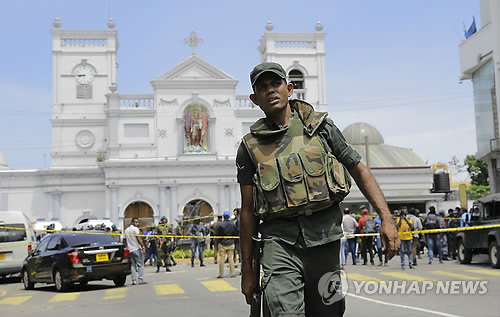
{"x": 33, "y": 244}
{"x": 431, "y": 230}
{"x": 237, "y": 237}
{"x": 126, "y": 234}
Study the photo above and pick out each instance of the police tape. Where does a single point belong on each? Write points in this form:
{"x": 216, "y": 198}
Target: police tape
{"x": 429, "y": 231}
{"x": 125, "y": 234}
{"x": 33, "y": 244}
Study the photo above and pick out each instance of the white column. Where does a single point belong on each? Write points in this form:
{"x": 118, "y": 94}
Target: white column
{"x": 114, "y": 203}
{"x": 221, "y": 201}
{"x": 163, "y": 200}
{"x": 173, "y": 204}
{"x": 232, "y": 190}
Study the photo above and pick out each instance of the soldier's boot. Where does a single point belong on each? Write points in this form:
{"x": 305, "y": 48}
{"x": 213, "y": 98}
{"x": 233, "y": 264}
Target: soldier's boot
{"x": 173, "y": 262}
{"x": 192, "y": 263}
{"x": 168, "y": 269}
{"x": 201, "y": 263}
{"x": 157, "y": 268}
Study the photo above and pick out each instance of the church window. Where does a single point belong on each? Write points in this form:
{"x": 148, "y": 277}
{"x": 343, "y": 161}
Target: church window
{"x": 297, "y": 79}
{"x": 196, "y": 129}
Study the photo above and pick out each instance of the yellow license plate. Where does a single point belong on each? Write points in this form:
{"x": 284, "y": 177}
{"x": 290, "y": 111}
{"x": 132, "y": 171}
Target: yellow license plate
{"x": 101, "y": 257}
{"x": 2, "y": 256}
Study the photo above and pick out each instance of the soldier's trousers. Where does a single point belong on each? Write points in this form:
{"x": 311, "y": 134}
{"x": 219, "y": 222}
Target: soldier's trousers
{"x": 292, "y": 276}
{"x": 164, "y": 256}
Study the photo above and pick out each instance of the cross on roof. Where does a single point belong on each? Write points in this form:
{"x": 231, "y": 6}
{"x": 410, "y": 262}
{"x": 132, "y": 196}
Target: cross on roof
{"x": 193, "y": 41}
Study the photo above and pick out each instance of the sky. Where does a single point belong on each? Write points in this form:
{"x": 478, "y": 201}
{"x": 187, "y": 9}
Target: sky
{"x": 393, "y": 64}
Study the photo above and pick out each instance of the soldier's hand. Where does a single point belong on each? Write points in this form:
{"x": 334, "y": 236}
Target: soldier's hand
{"x": 390, "y": 237}
{"x": 248, "y": 283}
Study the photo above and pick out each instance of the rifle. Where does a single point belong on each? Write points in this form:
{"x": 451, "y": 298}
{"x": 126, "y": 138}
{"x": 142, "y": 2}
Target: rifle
{"x": 255, "y": 306}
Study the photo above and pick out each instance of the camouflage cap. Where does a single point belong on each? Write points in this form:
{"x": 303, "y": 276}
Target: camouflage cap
{"x": 266, "y": 67}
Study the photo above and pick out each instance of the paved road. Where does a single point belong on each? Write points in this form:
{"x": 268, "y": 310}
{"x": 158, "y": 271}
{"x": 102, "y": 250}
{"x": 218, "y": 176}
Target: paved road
{"x": 196, "y": 292}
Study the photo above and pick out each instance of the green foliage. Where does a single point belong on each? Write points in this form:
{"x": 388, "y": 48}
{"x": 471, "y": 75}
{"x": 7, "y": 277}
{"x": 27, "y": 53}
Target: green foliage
{"x": 181, "y": 254}
{"x": 208, "y": 253}
{"x": 478, "y": 170}
{"x": 477, "y": 191}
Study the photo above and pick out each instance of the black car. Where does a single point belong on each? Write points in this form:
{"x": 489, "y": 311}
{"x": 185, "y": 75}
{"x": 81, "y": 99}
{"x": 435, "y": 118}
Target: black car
{"x": 65, "y": 258}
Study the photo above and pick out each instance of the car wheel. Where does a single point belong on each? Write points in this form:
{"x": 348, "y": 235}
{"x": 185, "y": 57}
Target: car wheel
{"x": 28, "y": 285}
{"x": 464, "y": 254}
{"x": 120, "y": 280}
{"x": 494, "y": 254}
{"x": 61, "y": 286}
{"x": 84, "y": 283}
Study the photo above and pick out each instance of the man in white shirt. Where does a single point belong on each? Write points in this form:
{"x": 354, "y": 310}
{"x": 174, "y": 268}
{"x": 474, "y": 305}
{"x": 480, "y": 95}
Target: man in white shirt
{"x": 136, "y": 248}
{"x": 349, "y": 225}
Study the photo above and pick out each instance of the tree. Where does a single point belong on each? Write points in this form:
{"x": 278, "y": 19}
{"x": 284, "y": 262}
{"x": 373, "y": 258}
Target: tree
{"x": 478, "y": 170}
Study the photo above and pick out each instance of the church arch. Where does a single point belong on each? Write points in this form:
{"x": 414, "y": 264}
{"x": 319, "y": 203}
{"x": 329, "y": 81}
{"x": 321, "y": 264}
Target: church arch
{"x": 140, "y": 209}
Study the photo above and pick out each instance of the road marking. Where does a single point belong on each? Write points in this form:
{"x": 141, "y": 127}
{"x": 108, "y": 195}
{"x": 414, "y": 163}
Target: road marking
{"x": 218, "y": 286}
{"x": 406, "y": 276}
{"x": 403, "y": 306}
{"x": 3, "y": 292}
{"x": 14, "y": 300}
{"x": 203, "y": 278}
{"x": 361, "y": 277}
{"x": 486, "y": 272}
{"x": 168, "y": 289}
{"x": 462, "y": 276}
{"x": 64, "y": 297}
{"x": 115, "y": 293}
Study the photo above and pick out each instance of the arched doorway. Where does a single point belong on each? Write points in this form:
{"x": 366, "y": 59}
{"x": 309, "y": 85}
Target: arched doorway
{"x": 141, "y": 210}
{"x": 197, "y": 208}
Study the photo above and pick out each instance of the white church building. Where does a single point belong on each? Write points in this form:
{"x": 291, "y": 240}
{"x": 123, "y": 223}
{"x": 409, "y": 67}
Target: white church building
{"x": 172, "y": 152}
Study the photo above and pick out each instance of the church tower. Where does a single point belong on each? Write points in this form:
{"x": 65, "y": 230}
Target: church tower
{"x": 302, "y": 55}
{"x": 84, "y": 70}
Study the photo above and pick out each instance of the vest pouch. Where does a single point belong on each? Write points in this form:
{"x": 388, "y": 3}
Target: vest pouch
{"x": 291, "y": 174}
{"x": 260, "y": 205}
{"x": 269, "y": 178}
{"x": 339, "y": 180}
{"x": 314, "y": 162}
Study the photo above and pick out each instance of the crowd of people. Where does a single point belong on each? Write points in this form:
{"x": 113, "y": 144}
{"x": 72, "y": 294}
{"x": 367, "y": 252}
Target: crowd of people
{"x": 440, "y": 245}
{"x": 157, "y": 243}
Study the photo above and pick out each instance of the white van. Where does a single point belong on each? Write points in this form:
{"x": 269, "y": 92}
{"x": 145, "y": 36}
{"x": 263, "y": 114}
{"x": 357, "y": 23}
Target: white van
{"x": 15, "y": 244}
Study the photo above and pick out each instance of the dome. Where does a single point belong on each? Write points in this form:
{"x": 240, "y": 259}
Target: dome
{"x": 356, "y": 132}
{"x": 3, "y": 162}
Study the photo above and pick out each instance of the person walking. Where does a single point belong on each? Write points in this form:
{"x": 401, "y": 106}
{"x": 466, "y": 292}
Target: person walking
{"x": 165, "y": 245}
{"x": 366, "y": 226}
{"x": 377, "y": 222}
{"x": 349, "y": 225}
{"x": 152, "y": 250}
{"x": 301, "y": 164}
{"x": 197, "y": 233}
{"x": 226, "y": 228}
{"x": 432, "y": 239}
{"x": 136, "y": 247}
{"x": 215, "y": 242}
{"x": 417, "y": 226}
{"x": 405, "y": 226}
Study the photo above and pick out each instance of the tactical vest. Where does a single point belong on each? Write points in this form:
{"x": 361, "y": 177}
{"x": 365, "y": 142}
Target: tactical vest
{"x": 295, "y": 175}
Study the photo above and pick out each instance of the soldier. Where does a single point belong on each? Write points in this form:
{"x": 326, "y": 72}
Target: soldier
{"x": 291, "y": 168}
{"x": 165, "y": 244}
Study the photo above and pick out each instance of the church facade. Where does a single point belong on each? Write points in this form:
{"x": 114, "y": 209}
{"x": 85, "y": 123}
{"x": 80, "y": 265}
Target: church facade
{"x": 169, "y": 153}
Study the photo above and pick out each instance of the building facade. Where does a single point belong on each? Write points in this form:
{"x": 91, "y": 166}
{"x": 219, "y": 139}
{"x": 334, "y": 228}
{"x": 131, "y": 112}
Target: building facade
{"x": 169, "y": 153}
{"x": 480, "y": 62}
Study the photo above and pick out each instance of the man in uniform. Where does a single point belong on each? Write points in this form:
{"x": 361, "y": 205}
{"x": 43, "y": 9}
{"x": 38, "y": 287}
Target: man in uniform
{"x": 165, "y": 244}
{"x": 213, "y": 228}
{"x": 290, "y": 161}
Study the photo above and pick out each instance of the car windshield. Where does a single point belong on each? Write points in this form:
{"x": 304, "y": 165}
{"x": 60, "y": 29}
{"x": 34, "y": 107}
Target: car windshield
{"x": 12, "y": 235}
{"x": 83, "y": 240}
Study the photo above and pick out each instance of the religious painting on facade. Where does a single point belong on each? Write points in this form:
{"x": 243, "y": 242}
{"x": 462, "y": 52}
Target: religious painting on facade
{"x": 196, "y": 129}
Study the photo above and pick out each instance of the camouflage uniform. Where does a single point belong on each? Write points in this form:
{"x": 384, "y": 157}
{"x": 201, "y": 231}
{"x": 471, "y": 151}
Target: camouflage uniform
{"x": 297, "y": 189}
{"x": 165, "y": 246}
